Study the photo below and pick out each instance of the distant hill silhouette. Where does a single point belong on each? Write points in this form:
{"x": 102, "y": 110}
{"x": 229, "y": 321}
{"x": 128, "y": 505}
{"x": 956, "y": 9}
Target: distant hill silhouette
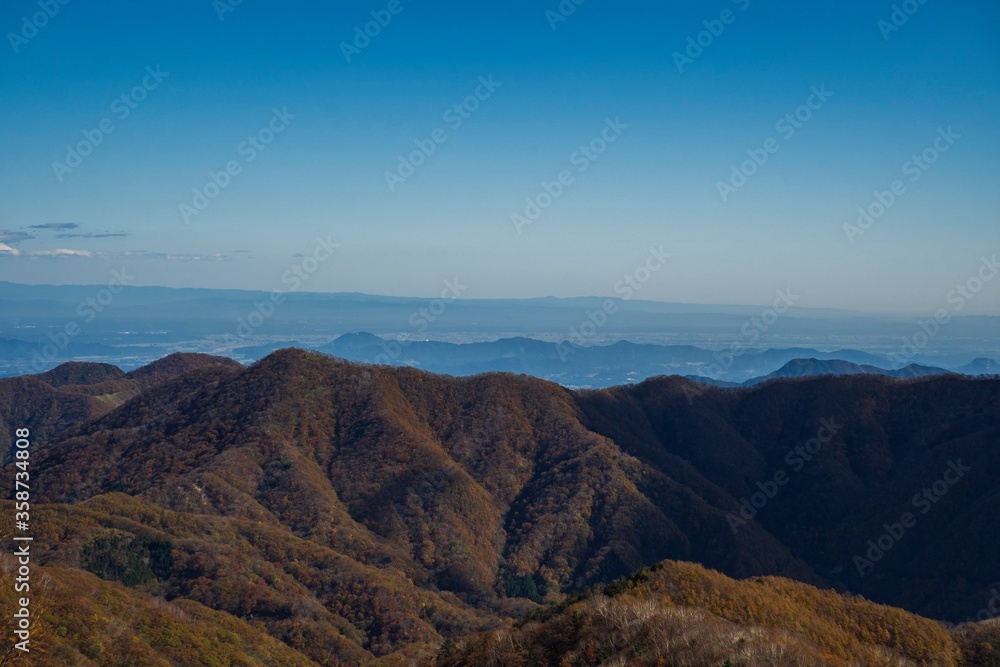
{"x": 797, "y": 368}
{"x": 569, "y": 364}
{"x": 981, "y": 366}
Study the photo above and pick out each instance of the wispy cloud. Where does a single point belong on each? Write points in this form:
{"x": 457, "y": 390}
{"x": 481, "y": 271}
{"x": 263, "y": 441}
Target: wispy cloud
{"x": 62, "y": 253}
{"x": 59, "y": 252}
{"x": 7, "y": 236}
{"x": 170, "y": 257}
{"x": 91, "y": 235}
{"x": 56, "y": 225}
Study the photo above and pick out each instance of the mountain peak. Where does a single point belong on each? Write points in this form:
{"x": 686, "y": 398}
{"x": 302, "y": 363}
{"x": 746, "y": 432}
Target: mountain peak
{"x": 980, "y": 366}
{"x": 358, "y": 337}
{"x": 80, "y": 372}
{"x": 177, "y": 364}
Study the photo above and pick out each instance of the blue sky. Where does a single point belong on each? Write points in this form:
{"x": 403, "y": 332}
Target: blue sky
{"x": 344, "y": 125}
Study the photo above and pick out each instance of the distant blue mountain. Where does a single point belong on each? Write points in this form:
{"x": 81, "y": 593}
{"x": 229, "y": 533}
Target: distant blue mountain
{"x": 574, "y": 366}
{"x": 809, "y": 367}
{"x": 606, "y": 365}
{"x": 981, "y": 366}
{"x": 466, "y": 336}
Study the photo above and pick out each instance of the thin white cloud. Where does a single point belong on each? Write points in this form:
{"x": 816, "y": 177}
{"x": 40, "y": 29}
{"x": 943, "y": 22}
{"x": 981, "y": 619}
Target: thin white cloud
{"x": 59, "y": 252}
{"x": 7, "y": 251}
{"x": 170, "y": 257}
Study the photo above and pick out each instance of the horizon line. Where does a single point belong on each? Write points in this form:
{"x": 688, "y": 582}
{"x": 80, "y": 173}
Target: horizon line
{"x": 830, "y": 309}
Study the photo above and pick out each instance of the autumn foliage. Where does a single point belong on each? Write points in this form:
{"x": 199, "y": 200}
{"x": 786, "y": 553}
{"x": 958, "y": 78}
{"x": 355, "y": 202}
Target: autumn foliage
{"x": 348, "y": 514}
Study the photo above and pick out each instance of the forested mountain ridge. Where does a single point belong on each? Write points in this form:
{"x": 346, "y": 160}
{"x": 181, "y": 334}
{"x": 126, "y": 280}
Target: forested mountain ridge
{"x": 682, "y": 614}
{"x": 354, "y": 510}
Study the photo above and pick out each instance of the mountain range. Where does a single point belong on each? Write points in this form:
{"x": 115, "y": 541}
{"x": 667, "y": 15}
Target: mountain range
{"x": 590, "y": 366}
{"x": 310, "y": 510}
{"x": 568, "y": 340}
{"x": 797, "y": 368}
{"x": 620, "y": 363}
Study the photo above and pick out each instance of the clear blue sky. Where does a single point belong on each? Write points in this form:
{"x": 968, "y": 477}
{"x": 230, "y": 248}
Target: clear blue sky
{"x": 656, "y": 185}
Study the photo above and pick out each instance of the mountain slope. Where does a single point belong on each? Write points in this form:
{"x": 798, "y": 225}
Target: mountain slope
{"x": 679, "y": 613}
{"x": 893, "y": 440}
{"x": 74, "y": 392}
{"x": 82, "y": 620}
